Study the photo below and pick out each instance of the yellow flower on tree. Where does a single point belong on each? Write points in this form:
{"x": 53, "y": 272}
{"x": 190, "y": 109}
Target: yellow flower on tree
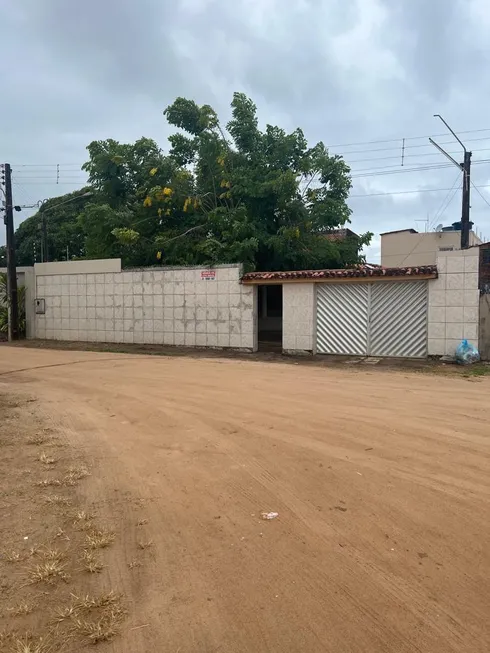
{"x": 153, "y": 171}
{"x": 147, "y": 201}
{"x": 187, "y": 203}
{"x": 168, "y": 192}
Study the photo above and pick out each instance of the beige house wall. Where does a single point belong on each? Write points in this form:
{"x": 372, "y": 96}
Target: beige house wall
{"x": 406, "y": 249}
{"x": 91, "y": 266}
{"x": 180, "y": 306}
{"x": 454, "y": 301}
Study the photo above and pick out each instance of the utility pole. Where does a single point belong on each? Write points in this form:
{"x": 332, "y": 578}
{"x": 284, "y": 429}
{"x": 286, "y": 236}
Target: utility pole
{"x": 465, "y": 167}
{"x": 465, "y": 215}
{"x": 13, "y": 305}
{"x": 44, "y": 240}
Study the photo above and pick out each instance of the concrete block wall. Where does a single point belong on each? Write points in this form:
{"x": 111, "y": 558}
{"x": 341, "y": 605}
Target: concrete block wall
{"x": 454, "y": 302}
{"x": 177, "y": 306}
{"x": 298, "y": 326}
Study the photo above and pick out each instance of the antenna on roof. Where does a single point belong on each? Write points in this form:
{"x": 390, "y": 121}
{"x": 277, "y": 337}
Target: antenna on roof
{"x": 439, "y": 227}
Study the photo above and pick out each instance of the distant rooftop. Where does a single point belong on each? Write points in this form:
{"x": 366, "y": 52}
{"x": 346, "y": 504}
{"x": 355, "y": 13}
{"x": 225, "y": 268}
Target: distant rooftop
{"x": 400, "y": 231}
{"x": 341, "y": 234}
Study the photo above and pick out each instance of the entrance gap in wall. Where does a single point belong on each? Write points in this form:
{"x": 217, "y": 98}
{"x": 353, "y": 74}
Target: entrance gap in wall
{"x": 270, "y": 317}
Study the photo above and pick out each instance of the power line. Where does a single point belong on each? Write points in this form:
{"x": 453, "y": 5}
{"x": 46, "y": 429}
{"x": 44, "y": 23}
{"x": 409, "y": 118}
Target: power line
{"x": 411, "y": 147}
{"x": 398, "y": 140}
{"x": 419, "y": 240}
{"x": 356, "y": 174}
{"x": 409, "y": 138}
{"x": 397, "y": 166}
{"x": 480, "y": 194}
{"x": 444, "y": 206}
{"x": 409, "y": 192}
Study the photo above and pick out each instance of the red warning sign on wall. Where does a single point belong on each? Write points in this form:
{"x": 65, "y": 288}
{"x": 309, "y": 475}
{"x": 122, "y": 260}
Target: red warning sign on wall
{"x": 208, "y": 275}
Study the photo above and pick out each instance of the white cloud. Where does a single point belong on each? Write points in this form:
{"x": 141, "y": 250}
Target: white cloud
{"x": 369, "y": 70}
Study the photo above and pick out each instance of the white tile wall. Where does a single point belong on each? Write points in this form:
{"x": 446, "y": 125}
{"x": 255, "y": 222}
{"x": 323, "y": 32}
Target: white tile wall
{"x": 454, "y": 302}
{"x": 298, "y": 301}
{"x": 171, "y": 307}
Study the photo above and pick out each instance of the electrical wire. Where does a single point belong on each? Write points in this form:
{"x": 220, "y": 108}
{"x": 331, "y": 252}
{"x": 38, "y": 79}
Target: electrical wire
{"x": 443, "y": 207}
{"x": 400, "y": 146}
{"x": 409, "y": 192}
{"x": 419, "y": 240}
{"x": 480, "y": 194}
{"x": 409, "y": 138}
{"x": 398, "y": 140}
{"x": 356, "y": 174}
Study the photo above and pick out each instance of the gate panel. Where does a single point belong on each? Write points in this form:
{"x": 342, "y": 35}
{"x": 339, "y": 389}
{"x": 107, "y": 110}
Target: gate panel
{"x": 398, "y": 319}
{"x": 342, "y": 318}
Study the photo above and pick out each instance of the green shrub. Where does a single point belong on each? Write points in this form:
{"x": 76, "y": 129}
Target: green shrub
{"x": 4, "y": 302}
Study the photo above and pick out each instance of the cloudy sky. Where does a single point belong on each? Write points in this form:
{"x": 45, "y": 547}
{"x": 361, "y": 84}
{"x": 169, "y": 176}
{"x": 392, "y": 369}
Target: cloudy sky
{"x": 360, "y": 75}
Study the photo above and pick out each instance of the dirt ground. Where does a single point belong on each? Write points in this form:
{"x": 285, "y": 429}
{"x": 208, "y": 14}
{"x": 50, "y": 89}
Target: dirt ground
{"x": 380, "y": 480}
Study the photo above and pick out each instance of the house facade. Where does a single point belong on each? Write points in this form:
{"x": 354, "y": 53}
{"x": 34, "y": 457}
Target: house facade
{"x": 411, "y": 312}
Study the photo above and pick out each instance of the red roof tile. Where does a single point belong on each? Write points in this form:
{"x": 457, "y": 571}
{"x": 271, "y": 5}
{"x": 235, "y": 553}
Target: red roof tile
{"x": 359, "y": 271}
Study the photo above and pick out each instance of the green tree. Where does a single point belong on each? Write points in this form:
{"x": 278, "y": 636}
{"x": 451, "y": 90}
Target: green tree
{"x": 265, "y": 197}
{"x": 222, "y": 194}
{"x": 64, "y": 234}
{"x": 125, "y": 178}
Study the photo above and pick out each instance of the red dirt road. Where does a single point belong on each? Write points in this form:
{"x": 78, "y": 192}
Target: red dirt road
{"x": 381, "y": 482}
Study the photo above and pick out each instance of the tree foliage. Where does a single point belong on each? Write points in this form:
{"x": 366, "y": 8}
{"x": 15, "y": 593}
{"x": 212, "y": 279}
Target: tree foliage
{"x": 64, "y": 233}
{"x": 222, "y": 194}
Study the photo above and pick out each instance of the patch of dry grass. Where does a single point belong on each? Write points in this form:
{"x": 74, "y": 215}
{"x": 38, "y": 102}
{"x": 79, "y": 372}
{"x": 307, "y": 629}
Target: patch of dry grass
{"x": 100, "y": 539}
{"x": 29, "y": 645}
{"x": 91, "y": 562}
{"x": 145, "y": 545}
{"x": 76, "y": 473}
{"x": 49, "y": 482}
{"x": 142, "y": 522}
{"x": 57, "y": 500}
{"x": 61, "y": 533}
{"x": 99, "y": 630}
{"x": 83, "y": 516}
{"x": 12, "y": 556}
{"x": 71, "y": 478}
{"x": 47, "y": 460}
{"x": 62, "y": 614}
{"x": 50, "y": 570}
{"x": 134, "y": 563}
{"x": 84, "y": 520}
{"x": 87, "y": 602}
{"x": 93, "y": 618}
{"x": 38, "y": 439}
{"x": 21, "y": 609}
{"x": 52, "y": 554}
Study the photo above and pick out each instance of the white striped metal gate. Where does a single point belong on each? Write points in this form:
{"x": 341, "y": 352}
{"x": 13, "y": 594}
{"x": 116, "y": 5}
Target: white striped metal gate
{"x": 381, "y": 318}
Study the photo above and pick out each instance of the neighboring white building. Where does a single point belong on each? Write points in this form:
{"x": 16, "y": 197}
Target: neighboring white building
{"x": 408, "y": 247}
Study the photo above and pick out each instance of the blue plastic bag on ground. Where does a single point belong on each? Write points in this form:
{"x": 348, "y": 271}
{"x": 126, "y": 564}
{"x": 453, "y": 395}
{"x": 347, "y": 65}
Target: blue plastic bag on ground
{"x": 466, "y": 353}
